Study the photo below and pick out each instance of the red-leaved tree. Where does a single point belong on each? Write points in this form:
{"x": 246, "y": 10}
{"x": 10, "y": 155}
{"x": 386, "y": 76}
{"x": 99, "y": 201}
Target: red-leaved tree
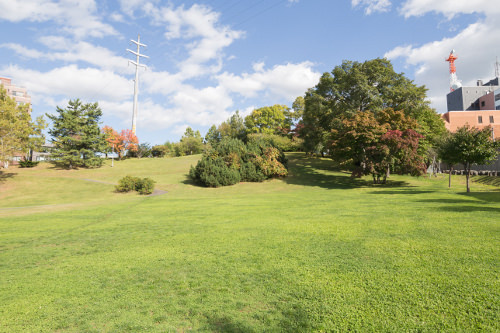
{"x": 395, "y": 150}
{"x": 130, "y": 141}
{"x": 120, "y": 142}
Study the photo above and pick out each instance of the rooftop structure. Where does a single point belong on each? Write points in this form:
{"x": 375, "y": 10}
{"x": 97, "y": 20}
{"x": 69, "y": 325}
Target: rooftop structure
{"x": 454, "y": 82}
{"x": 476, "y": 106}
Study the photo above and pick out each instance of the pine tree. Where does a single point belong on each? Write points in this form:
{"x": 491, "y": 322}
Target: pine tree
{"x": 77, "y": 136}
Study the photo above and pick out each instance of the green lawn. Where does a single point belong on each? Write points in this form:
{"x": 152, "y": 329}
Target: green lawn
{"x": 317, "y": 251}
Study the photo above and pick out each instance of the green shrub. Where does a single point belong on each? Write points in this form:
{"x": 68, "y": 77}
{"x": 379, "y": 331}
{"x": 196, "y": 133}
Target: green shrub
{"x": 213, "y": 172}
{"x": 269, "y": 163}
{"x": 145, "y": 186}
{"x": 27, "y": 164}
{"x": 127, "y": 184}
{"x": 249, "y": 173}
{"x": 131, "y": 183}
{"x": 231, "y": 161}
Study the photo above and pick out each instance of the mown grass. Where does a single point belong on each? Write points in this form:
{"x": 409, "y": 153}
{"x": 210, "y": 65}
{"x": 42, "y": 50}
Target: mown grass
{"x": 317, "y": 251}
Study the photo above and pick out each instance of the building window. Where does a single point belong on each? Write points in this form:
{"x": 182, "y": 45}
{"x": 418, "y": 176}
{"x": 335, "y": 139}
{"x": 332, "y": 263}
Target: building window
{"x": 482, "y": 103}
{"x": 480, "y": 119}
{"x": 491, "y": 120}
{"x": 497, "y": 97}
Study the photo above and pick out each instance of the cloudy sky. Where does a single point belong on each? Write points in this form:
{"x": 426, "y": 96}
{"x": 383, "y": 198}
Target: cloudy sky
{"x": 209, "y": 58}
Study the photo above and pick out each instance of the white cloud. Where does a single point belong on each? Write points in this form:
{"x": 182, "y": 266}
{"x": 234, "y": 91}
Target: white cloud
{"x": 24, "y": 51}
{"x": 195, "y": 92}
{"x": 72, "y": 82}
{"x": 205, "y": 38}
{"x": 449, "y": 8}
{"x": 372, "y": 6}
{"x": 474, "y": 46}
{"x": 282, "y": 81}
{"x": 80, "y": 51}
{"x": 77, "y": 17}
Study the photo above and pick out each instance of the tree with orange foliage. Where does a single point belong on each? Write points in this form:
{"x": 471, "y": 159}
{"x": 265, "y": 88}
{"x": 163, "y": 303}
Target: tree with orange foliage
{"x": 129, "y": 140}
{"x": 120, "y": 142}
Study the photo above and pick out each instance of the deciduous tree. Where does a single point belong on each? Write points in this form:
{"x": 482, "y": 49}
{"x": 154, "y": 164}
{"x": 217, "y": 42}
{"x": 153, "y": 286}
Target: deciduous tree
{"x": 121, "y": 143}
{"x": 276, "y": 119}
{"x": 376, "y": 144}
{"x": 130, "y": 142}
{"x": 469, "y": 146}
{"x": 372, "y": 86}
{"x": 18, "y": 133}
{"x": 191, "y": 143}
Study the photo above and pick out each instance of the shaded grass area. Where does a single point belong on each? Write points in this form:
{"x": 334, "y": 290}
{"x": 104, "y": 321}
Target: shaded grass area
{"x": 489, "y": 180}
{"x": 317, "y": 251}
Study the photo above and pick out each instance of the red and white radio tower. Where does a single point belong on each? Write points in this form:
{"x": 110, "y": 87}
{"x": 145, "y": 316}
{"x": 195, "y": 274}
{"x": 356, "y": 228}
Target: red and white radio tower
{"x": 454, "y": 82}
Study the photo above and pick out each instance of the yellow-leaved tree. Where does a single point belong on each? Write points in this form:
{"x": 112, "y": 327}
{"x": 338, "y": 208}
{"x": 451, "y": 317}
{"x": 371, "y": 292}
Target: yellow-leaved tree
{"x": 18, "y": 133}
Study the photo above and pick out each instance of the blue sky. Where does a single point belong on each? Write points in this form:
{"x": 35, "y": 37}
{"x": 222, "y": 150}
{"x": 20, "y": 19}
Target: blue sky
{"x": 210, "y": 58}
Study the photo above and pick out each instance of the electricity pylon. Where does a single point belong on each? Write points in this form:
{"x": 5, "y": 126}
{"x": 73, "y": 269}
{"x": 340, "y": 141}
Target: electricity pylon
{"x": 136, "y": 81}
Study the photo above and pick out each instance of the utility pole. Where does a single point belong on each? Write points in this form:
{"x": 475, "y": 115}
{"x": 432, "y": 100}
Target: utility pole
{"x": 136, "y": 81}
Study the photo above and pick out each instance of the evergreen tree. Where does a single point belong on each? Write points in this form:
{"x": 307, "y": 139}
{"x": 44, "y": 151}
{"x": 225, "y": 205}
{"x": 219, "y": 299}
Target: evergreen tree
{"x": 77, "y": 136}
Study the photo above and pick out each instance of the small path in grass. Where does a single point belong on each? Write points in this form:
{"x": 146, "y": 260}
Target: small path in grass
{"x": 98, "y": 181}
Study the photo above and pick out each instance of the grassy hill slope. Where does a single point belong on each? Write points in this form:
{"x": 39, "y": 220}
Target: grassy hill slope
{"x": 317, "y": 251}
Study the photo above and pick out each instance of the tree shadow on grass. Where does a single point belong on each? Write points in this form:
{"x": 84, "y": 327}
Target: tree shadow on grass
{"x": 316, "y": 172}
{"x": 6, "y": 175}
{"x": 189, "y": 181}
{"x": 490, "y": 196}
{"x": 467, "y": 209}
{"x": 487, "y": 180}
{"x": 406, "y": 189}
{"x": 55, "y": 165}
{"x": 464, "y": 205}
{"x": 225, "y": 324}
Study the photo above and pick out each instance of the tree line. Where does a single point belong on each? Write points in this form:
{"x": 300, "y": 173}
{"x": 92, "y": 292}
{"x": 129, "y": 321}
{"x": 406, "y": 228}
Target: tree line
{"x": 369, "y": 119}
{"x": 374, "y": 121}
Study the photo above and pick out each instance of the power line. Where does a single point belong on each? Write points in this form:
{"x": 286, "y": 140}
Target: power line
{"x": 260, "y": 13}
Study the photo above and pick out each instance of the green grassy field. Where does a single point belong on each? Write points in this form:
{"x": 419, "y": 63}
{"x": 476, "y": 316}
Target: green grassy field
{"x": 317, "y": 251}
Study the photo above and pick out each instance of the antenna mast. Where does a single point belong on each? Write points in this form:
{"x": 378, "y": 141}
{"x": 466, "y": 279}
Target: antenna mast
{"x": 136, "y": 81}
{"x": 454, "y": 82}
{"x": 497, "y": 68}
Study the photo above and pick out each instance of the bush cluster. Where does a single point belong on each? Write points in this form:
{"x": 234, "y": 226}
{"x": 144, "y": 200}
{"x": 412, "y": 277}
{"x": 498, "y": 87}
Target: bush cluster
{"x": 231, "y": 161}
{"x": 24, "y": 163}
{"x": 131, "y": 183}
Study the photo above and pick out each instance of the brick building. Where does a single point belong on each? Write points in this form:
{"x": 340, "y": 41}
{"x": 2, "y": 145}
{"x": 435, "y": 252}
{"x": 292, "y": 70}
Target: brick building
{"x": 19, "y": 94}
{"x": 476, "y": 106}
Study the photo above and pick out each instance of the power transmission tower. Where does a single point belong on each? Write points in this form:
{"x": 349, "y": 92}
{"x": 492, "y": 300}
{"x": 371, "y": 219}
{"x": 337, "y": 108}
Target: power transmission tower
{"x": 136, "y": 81}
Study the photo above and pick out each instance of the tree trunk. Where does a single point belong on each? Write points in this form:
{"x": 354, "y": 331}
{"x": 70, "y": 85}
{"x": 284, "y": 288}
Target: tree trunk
{"x": 449, "y": 176}
{"x": 467, "y": 176}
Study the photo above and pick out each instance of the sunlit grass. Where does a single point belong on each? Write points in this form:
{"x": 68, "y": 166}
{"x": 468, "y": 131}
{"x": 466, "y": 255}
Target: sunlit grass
{"x": 317, "y": 251}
